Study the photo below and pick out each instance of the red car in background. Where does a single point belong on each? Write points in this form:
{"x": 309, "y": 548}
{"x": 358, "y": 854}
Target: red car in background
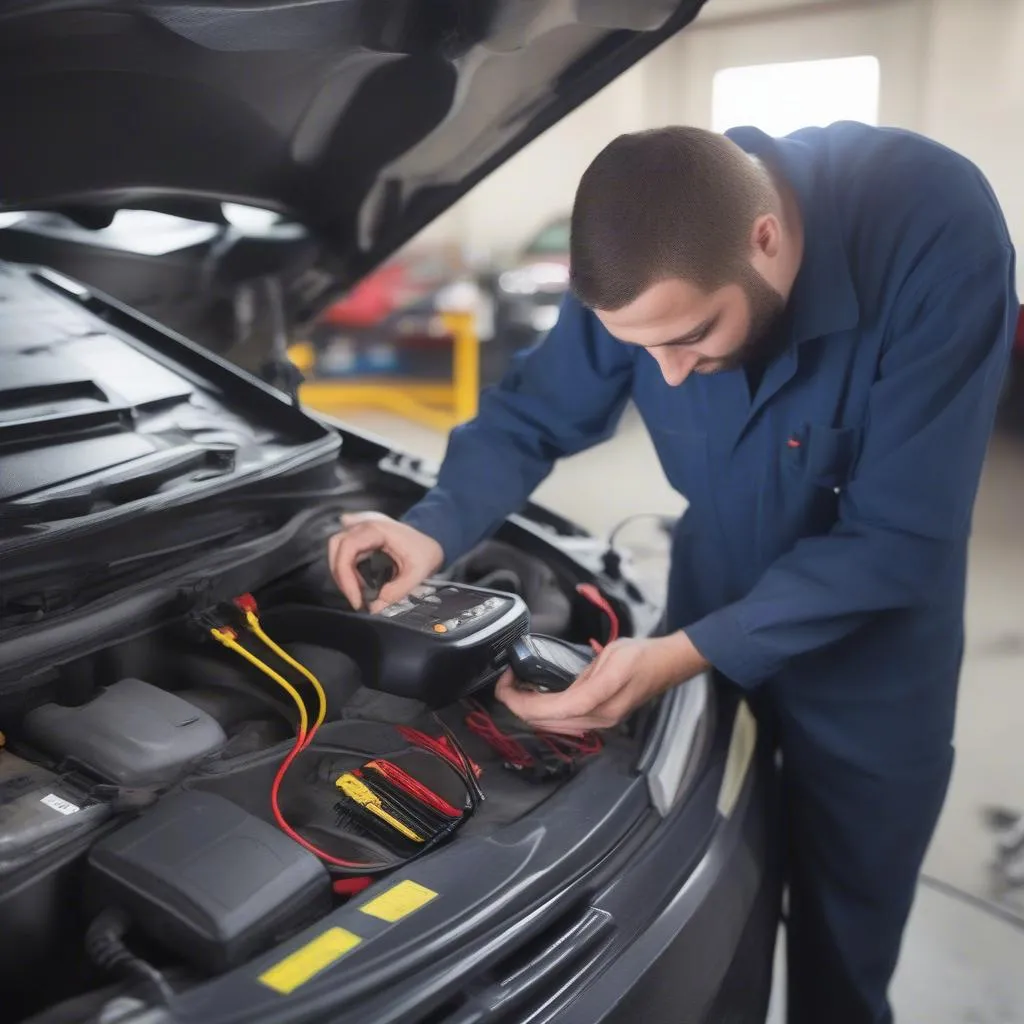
{"x": 393, "y": 315}
{"x": 400, "y": 284}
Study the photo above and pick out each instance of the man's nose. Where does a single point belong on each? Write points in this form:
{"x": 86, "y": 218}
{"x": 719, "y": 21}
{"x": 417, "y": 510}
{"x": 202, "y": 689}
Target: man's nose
{"x": 675, "y": 366}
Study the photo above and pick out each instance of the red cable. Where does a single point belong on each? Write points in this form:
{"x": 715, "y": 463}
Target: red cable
{"x": 441, "y": 747}
{"x": 414, "y": 787}
{"x": 511, "y": 750}
{"x": 586, "y": 746}
{"x": 247, "y": 603}
{"x": 297, "y": 748}
{"x": 482, "y": 723}
{"x": 595, "y": 597}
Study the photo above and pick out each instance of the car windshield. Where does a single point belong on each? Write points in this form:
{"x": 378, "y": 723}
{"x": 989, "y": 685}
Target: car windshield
{"x": 553, "y": 239}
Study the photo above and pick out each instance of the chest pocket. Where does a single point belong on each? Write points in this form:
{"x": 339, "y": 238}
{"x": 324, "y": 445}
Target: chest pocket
{"x": 823, "y": 456}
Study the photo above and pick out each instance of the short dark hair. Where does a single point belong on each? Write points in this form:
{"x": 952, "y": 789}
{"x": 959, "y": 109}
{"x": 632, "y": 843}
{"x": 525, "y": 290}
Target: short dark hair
{"x": 667, "y": 203}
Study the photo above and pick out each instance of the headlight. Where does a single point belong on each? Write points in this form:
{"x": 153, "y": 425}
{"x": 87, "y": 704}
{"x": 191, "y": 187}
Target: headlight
{"x": 683, "y": 708}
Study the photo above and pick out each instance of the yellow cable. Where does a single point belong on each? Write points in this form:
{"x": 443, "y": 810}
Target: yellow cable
{"x": 227, "y": 638}
{"x": 357, "y": 790}
{"x": 254, "y": 624}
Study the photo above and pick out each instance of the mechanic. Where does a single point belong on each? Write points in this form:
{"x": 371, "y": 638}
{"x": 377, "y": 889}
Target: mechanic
{"x": 814, "y": 330}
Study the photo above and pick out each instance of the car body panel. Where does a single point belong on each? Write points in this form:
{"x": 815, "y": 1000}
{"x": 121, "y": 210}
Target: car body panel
{"x": 559, "y": 917}
{"x": 108, "y": 416}
{"x": 362, "y": 119}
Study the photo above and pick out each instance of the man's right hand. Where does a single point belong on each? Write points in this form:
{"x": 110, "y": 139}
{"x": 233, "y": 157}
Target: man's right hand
{"x": 416, "y": 556}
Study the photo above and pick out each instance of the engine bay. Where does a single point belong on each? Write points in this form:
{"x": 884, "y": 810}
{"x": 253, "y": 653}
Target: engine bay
{"x": 180, "y": 801}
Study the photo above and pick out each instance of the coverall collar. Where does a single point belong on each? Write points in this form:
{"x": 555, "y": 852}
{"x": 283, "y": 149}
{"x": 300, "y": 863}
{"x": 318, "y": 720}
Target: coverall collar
{"x": 823, "y": 300}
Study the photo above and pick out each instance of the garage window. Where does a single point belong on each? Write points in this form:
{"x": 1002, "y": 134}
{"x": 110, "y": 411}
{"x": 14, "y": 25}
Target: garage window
{"x": 779, "y": 98}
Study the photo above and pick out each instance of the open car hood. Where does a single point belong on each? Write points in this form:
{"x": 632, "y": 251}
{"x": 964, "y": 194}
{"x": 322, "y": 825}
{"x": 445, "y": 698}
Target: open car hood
{"x": 361, "y": 119}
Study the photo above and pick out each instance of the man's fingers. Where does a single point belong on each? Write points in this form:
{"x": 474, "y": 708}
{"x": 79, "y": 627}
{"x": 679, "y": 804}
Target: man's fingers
{"x": 604, "y": 716}
{"x": 505, "y": 690}
{"x": 533, "y": 706}
{"x": 348, "y": 549}
{"x": 599, "y": 683}
{"x": 546, "y": 711}
{"x": 506, "y": 683}
{"x": 344, "y": 575}
{"x": 527, "y": 704}
{"x": 573, "y": 726}
{"x": 394, "y": 590}
{"x": 350, "y": 519}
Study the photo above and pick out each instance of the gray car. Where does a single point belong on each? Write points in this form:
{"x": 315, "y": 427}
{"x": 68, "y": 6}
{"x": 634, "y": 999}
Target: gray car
{"x": 148, "y": 487}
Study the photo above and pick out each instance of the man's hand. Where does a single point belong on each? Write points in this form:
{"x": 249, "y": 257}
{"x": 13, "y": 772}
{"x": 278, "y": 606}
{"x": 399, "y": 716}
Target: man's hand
{"x": 416, "y": 556}
{"x": 626, "y": 674}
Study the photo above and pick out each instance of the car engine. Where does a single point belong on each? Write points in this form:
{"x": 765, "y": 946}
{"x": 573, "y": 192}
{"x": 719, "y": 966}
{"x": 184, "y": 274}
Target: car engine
{"x": 167, "y": 808}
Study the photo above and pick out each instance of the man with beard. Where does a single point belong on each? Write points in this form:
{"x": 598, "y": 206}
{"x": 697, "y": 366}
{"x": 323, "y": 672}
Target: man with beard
{"x": 814, "y": 330}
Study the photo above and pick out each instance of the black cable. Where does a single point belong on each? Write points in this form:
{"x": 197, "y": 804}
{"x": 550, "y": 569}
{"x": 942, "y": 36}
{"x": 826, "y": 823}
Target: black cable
{"x": 665, "y": 521}
{"x": 104, "y": 942}
{"x": 501, "y": 579}
{"x": 464, "y": 775}
{"x": 1004, "y": 914}
{"x": 475, "y": 792}
{"x": 611, "y": 560}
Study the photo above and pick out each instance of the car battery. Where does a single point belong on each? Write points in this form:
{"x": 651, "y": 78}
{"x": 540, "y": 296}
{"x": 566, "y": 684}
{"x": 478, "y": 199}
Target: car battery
{"x": 40, "y": 809}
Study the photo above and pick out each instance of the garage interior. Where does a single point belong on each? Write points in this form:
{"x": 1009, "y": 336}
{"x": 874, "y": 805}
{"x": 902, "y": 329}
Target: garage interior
{"x": 950, "y": 70}
{"x": 157, "y": 292}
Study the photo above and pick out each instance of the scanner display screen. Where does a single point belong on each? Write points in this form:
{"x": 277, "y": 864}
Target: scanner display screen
{"x": 446, "y": 611}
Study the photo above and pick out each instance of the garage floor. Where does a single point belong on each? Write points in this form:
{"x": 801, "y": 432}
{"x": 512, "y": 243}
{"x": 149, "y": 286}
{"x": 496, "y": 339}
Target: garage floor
{"x": 963, "y": 959}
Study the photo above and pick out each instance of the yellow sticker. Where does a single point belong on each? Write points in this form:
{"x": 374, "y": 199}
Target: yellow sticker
{"x": 399, "y": 901}
{"x": 741, "y": 750}
{"x": 311, "y": 959}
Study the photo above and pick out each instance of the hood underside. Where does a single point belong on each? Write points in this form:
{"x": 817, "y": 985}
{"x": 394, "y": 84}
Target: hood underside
{"x": 362, "y": 119}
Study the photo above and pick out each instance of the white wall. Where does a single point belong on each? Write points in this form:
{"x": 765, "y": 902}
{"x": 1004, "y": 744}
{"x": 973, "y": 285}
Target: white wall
{"x": 951, "y": 69}
{"x": 973, "y": 95}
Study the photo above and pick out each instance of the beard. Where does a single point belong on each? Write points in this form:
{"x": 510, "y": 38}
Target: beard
{"x": 764, "y": 338}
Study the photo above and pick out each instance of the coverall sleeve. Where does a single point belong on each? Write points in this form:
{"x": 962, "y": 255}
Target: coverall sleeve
{"x": 905, "y": 512}
{"x": 560, "y": 397}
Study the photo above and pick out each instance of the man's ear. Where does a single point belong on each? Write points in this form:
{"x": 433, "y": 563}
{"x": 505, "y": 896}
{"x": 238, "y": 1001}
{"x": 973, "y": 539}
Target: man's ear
{"x": 766, "y": 236}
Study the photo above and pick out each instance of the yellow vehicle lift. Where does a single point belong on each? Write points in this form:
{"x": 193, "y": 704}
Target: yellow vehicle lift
{"x": 440, "y": 405}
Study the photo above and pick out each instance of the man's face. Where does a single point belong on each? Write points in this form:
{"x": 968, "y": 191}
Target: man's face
{"x": 688, "y": 330}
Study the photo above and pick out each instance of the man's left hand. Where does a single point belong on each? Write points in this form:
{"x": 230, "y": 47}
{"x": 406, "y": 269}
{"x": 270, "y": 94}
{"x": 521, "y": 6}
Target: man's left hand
{"x": 626, "y": 674}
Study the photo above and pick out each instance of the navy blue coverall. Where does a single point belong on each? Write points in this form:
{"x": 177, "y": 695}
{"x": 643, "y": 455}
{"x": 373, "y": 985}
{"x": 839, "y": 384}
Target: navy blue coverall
{"x": 822, "y": 558}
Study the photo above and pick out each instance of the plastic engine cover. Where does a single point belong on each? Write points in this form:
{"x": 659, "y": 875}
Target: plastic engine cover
{"x": 132, "y": 734}
{"x": 209, "y": 881}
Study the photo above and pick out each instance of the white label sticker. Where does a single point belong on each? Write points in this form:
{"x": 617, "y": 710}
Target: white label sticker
{"x": 59, "y": 804}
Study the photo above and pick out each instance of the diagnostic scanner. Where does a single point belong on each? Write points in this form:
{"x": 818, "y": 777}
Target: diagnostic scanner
{"x": 439, "y": 644}
{"x": 547, "y": 663}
